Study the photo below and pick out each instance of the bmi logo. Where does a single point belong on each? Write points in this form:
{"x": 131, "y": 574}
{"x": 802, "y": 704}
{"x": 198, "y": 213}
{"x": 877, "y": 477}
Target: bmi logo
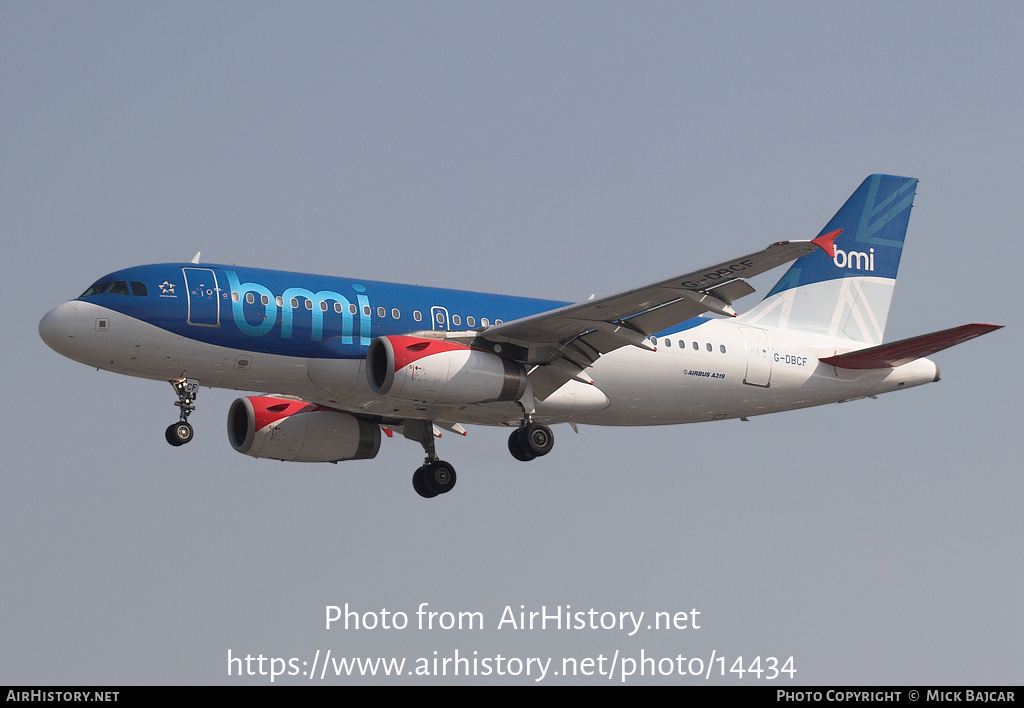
{"x": 857, "y": 260}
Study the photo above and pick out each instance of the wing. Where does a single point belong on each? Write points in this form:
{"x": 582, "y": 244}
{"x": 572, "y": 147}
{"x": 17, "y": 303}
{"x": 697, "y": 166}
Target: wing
{"x": 563, "y": 342}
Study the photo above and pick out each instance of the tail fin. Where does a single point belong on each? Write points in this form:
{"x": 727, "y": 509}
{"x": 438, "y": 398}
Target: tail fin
{"x": 847, "y": 295}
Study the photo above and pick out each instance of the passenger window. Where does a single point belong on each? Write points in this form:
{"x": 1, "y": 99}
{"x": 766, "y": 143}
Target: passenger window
{"x": 381, "y": 312}
{"x": 250, "y": 298}
{"x": 264, "y": 300}
{"x": 721, "y": 348}
{"x": 139, "y": 289}
{"x": 439, "y": 317}
{"x": 456, "y": 320}
{"x": 235, "y": 297}
{"x": 497, "y": 322}
{"x": 295, "y": 303}
{"x": 484, "y": 322}
{"x": 351, "y": 309}
{"x": 709, "y": 347}
{"x": 695, "y": 347}
{"x": 119, "y": 287}
{"x": 279, "y": 300}
{"x": 337, "y": 307}
{"x": 395, "y": 313}
{"x": 309, "y": 304}
{"x": 323, "y": 306}
{"x": 668, "y": 342}
{"x": 416, "y": 315}
{"x": 366, "y": 310}
{"x": 470, "y": 322}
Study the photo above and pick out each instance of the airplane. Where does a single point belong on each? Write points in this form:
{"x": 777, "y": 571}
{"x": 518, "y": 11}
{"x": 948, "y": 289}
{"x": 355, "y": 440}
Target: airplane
{"x": 347, "y": 360}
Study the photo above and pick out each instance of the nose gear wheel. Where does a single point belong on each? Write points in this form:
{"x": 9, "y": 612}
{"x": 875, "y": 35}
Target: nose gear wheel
{"x": 179, "y": 433}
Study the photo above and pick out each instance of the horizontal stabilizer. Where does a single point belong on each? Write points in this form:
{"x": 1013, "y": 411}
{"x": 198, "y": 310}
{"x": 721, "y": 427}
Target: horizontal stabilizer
{"x": 888, "y": 356}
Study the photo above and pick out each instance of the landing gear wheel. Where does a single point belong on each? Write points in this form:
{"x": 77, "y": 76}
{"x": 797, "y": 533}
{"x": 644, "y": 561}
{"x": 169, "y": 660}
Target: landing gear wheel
{"x": 179, "y": 433}
{"x": 435, "y": 476}
{"x": 516, "y": 447}
{"x": 438, "y": 476}
{"x": 419, "y": 483}
{"x": 537, "y": 439}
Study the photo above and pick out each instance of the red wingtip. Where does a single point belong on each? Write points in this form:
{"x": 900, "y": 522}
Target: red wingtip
{"x": 826, "y": 242}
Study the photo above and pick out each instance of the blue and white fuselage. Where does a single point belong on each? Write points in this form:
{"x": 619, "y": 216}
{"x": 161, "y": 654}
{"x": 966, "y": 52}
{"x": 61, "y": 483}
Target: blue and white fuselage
{"x": 211, "y": 332}
{"x": 355, "y": 355}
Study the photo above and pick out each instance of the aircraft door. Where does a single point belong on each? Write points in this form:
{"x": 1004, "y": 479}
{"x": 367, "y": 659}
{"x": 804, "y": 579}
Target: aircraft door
{"x": 759, "y": 361}
{"x": 439, "y": 318}
{"x": 203, "y": 297}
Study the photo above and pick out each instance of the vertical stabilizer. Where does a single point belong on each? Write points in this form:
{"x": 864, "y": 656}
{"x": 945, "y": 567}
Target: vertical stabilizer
{"x": 847, "y": 295}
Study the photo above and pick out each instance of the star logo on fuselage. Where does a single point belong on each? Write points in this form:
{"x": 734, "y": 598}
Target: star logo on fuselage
{"x": 166, "y": 288}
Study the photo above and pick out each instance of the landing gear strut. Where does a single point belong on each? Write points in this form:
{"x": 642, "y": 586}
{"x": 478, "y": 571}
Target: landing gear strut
{"x": 435, "y": 476}
{"x": 181, "y": 432}
{"x": 530, "y": 440}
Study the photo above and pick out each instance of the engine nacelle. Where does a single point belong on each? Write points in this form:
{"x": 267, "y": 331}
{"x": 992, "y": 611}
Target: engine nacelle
{"x": 437, "y": 371}
{"x": 286, "y": 429}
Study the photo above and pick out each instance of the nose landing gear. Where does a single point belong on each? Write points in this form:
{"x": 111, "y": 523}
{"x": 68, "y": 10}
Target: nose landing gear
{"x": 179, "y": 433}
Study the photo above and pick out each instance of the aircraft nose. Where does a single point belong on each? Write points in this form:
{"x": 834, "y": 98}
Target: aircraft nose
{"x": 59, "y": 327}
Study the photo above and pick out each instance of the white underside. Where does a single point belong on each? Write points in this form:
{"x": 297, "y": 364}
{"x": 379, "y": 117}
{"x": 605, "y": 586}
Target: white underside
{"x": 763, "y": 370}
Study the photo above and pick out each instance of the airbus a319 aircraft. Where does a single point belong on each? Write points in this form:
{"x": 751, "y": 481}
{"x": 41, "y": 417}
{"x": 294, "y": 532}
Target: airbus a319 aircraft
{"x": 348, "y": 359}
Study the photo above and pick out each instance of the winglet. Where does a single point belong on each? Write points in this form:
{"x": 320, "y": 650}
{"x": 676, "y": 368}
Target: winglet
{"x": 827, "y": 242}
{"x": 196, "y": 259}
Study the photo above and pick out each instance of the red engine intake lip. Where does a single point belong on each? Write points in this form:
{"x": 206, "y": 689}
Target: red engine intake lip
{"x": 311, "y": 433}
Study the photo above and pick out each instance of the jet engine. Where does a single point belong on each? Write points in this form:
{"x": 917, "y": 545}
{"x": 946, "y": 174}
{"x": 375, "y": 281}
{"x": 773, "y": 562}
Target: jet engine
{"x": 287, "y": 429}
{"x": 437, "y": 371}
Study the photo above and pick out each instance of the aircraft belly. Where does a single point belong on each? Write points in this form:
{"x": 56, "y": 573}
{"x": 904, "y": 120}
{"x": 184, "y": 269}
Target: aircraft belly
{"x": 675, "y": 384}
{"x": 682, "y": 385}
{"x": 136, "y": 348}
{"x": 666, "y": 387}
{"x": 573, "y": 398}
{"x": 339, "y": 377}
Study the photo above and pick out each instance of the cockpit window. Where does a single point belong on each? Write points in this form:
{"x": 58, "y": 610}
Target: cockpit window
{"x": 139, "y": 289}
{"x": 96, "y": 289}
{"x": 119, "y": 287}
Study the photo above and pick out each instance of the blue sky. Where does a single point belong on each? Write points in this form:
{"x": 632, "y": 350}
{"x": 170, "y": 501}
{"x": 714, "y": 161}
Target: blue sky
{"x": 551, "y": 150}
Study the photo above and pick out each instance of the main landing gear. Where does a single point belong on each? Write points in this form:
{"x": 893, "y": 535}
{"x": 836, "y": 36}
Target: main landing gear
{"x": 181, "y": 432}
{"x": 530, "y": 440}
{"x": 435, "y": 476}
